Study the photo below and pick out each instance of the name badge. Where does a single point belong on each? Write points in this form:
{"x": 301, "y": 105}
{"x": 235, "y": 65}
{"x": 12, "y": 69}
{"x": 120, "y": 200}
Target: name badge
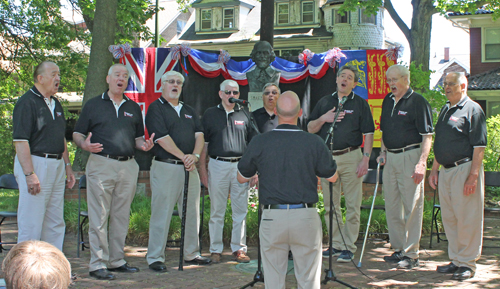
{"x": 349, "y": 111}
{"x": 58, "y": 113}
{"x": 127, "y": 114}
{"x": 188, "y": 116}
{"x": 239, "y": 122}
{"x": 402, "y": 112}
{"x": 454, "y": 118}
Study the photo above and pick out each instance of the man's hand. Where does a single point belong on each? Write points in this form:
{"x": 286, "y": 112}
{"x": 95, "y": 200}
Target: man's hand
{"x": 33, "y": 184}
{"x": 254, "y": 180}
{"x": 362, "y": 168}
{"x": 470, "y": 184}
{"x": 147, "y": 144}
{"x": 419, "y": 173}
{"x": 189, "y": 160}
{"x": 91, "y": 147}
{"x": 382, "y": 158}
{"x": 329, "y": 116}
{"x": 433, "y": 179}
{"x": 70, "y": 177}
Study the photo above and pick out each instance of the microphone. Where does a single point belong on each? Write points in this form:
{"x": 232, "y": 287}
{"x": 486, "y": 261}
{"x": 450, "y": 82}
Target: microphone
{"x": 341, "y": 102}
{"x": 238, "y": 101}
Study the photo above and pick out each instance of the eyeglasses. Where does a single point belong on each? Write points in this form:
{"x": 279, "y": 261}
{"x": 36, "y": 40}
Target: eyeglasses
{"x": 392, "y": 80}
{"x": 173, "y": 81}
{"x": 274, "y": 92}
{"x": 228, "y": 92}
{"x": 449, "y": 84}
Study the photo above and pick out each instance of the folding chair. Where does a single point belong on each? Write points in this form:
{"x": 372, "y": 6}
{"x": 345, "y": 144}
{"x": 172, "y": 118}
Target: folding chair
{"x": 7, "y": 181}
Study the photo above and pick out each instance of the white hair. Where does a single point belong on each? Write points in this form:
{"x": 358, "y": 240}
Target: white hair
{"x": 110, "y": 71}
{"x": 229, "y": 82}
{"x": 403, "y": 71}
{"x": 171, "y": 73}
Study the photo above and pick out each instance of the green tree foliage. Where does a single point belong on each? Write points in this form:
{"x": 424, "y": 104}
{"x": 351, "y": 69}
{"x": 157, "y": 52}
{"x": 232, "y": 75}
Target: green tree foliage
{"x": 492, "y": 151}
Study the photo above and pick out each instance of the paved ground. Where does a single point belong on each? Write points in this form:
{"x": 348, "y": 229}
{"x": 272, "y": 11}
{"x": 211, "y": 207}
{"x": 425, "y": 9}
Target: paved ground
{"x": 375, "y": 273}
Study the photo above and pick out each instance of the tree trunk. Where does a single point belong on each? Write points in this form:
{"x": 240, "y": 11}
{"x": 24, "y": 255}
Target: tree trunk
{"x": 100, "y": 59}
{"x": 420, "y": 33}
{"x": 267, "y": 21}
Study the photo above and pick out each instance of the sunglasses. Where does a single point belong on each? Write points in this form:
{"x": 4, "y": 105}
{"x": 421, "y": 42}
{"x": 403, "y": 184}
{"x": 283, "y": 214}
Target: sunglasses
{"x": 173, "y": 81}
{"x": 274, "y": 92}
{"x": 228, "y": 92}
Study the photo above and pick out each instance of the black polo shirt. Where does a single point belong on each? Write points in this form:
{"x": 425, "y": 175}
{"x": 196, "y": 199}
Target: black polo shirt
{"x": 405, "y": 122}
{"x": 34, "y": 122}
{"x": 163, "y": 120}
{"x": 227, "y": 135}
{"x": 459, "y": 130}
{"x": 349, "y": 131}
{"x": 265, "y": 122}
{"x": 288, "y": 161}
{"x": 115, "y": 131}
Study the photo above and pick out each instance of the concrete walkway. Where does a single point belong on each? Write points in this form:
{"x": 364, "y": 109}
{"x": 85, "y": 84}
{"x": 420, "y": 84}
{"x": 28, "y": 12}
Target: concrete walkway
{"x": 375, "y": 273}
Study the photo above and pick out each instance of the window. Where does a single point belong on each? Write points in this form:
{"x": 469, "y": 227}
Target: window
{"x": 288, "y": 52}
{"x": 228, "y": 18}
{"x": 307, "y": 12}
{"x": 365, "y": 18}
{"x": 206, "y": 19}
{"x": 338, "y": 18}
{"x": 283, "y": 13}
{"x": 492, "y": 44}
{"x": 493, "y": 108}
{"x": 180, "y": 26}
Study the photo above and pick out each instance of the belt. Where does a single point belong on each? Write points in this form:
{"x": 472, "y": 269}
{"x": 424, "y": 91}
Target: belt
{"x": 49, "y": 156}
{"x": 402, "y": 150}
{"x": 118, "y": 158}
{"x": 457, "y": 163}
{"x": 223, "y": 159}
{"x": 169, "y": 161}
{"x": 344, "y": 151}
{"x": 290, "y": 206}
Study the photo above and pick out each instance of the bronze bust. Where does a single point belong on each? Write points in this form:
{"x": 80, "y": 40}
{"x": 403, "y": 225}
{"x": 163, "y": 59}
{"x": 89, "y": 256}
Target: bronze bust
{"x": 262, "y": 54}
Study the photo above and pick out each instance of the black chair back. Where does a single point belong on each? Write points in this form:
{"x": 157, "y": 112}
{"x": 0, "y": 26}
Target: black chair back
{"x": 8, "y": 181}
{"x": 371, "y": 177}
{"x": 82, "y": 184}
{"x": 492, "y": 179}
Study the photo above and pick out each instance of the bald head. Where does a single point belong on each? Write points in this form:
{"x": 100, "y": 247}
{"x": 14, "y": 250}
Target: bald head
{"x": 288, "y": 107}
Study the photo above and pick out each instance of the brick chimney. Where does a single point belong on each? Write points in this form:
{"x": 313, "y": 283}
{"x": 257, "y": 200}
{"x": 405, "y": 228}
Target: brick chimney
{"x": 446, "y": 54}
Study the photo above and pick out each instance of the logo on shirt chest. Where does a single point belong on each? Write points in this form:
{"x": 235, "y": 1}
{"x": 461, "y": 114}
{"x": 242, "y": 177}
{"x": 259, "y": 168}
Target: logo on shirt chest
{"x": 239, "y": 122}
{"x": 402, "y": 112}
{"x": 349, "y": 111}
{"x": 454, "y": 118}
{"x": 128, "y": 114}
{"x": 59, "y": 114}
{"x": 188, "y": 116}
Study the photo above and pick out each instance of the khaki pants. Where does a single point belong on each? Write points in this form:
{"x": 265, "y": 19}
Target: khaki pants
{"x": 41, "y": 217}
{"x": 352, "y": 187}
{"x": 167, "y": 186}
{"x": 462, "y": 215}
{"x": 298, "y": 230}
{"x": 111, "y": 186}
{"x": 221, "y": 181}
{"x": 404, "y": 202}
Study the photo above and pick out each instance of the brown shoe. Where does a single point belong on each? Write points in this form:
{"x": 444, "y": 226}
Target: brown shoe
{"x": 241, "y": 257}
{"x": 215, "y": 257}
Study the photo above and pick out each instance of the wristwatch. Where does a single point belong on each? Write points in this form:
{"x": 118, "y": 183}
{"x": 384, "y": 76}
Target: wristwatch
{"x": 366, "y": 155}
{"x": 197, "y": 155}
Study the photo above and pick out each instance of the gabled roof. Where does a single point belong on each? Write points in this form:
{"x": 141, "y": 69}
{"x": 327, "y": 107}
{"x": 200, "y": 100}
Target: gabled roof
{"x": 489, "y": 80}
{"x": 478, "y": 11}
{"x": 213, "y": 3}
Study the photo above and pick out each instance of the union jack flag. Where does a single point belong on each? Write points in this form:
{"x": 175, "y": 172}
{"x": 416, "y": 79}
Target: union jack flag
{"x": 146, "y": 66}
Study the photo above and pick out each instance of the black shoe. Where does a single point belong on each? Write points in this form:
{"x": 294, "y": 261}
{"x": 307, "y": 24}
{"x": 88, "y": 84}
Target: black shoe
{"x": 335, "y": 252}
{"x": 290, "y": 255}
{"x": 463, "y": 273}
{"x": 408, "y": 263}
{"x": 102, "y": 274}
{"x": 158, "y": 266}
{"x": 450, "y": 268}
{"x": 125, "y": 268}
{"x": 199, "y": 260}
{"x": 396, "y": 257}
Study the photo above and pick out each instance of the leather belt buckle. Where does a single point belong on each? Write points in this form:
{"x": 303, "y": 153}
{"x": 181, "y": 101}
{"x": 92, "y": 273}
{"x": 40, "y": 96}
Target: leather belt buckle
{"x": 402, "y": 150}
{"x": 170, "y": 161}
{"x": 290, "y": 206}
{"x": 457, "y": 163}
{"x": 49, "y": 156}
{"x": 344, "y": 151}
{"x": 118, "y": 158}
{"x": 223, "y": 159}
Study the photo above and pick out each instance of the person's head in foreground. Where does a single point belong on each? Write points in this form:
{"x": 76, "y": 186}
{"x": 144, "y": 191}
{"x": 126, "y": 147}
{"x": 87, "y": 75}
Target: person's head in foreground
{"x": 36, "y": 265}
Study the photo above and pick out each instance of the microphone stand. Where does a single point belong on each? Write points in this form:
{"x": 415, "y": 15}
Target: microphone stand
{"x": 259, "y": 275}
{"x": 329, "y": 274}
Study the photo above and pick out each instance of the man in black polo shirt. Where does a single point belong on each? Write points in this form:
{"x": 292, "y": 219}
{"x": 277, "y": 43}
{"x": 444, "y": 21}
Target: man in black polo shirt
{"x": 178, "y": 144}
{"x": 110, "y": 127}
{"x": 226, "y": 130}
{"x": 288, "y": 161}
{"x": 406, "y": 126}
{"x": 459, "y": 149}
{"x": 264, "y": 117}
{"x": 354, "y": 122}
{"x": 42, "y": 159}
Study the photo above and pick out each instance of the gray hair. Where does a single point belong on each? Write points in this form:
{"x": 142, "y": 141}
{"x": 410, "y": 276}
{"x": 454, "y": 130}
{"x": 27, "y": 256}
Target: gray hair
{"x": 351, "y": 68}
{"x": 40, "y": 69}
{"x": 229, "y": 82}
{"x": 110, "y": 71}
{"x": 271, "y": 84}
{"x": 461, "y": 78}
{"x": 171, "y": 73}
{"x": 403, "y": 71}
